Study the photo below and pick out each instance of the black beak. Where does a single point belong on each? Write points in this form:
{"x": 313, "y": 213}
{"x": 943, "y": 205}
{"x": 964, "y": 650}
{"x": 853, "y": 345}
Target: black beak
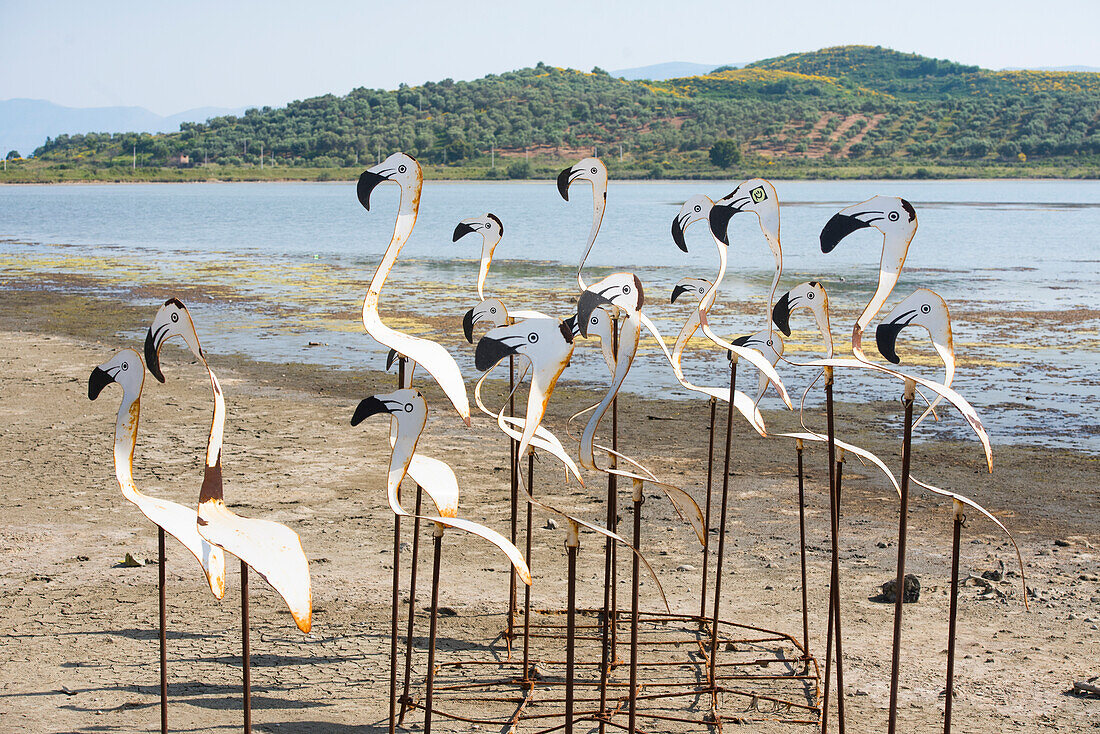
{"x": 678, "y": 234}
{"x": 367, "y": 181}
{"x": 468, "y": 325}
{"x": 563, "y": 183}
{"x": 566, "y": 327}
{"x": 677, "y": 291}
{"x": 741, "y": 340}
{"x": 720, "y": 215}
{"x": 391, "y": 357}
{"x": 461, "y": 230}
{"x": 781, "y": 314}
{"x": 366, "y": 408}
{"x": 489, "y": 352}
{"x": 886, "y": 336}
{"x": 837, "y": 228}
{"x": 97, "y": 381}
{"x": 152, "y": 356}
{"x": 586, "y": 304}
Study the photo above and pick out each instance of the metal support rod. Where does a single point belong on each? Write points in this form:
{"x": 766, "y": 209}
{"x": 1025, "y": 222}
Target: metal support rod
{"x": 396, "y": 582}
{"x": 838, "y": 637}
{"x": 571, "y": 633}
{"x": 834, "y": 630}
{"x": 514, "y": 485}
{"x": 706, "y": 519}
{"x": 394, "y": 621}
{"x": 639, "y": 498}
{"x": 722, "y": 525}
{"x": 613, "y": 486}
{"x": 527, "y": 557}
{"x": 246, "y": 658}
{"x": 405, "y": 699}
{"x": 903, "y": 519}
{"x": 607, "y": 631}
{"x": 431, "y": 630}
{"x": 163, "y": 636}
{"x": 802, "y": 552}
{"x": 960, "y": 518}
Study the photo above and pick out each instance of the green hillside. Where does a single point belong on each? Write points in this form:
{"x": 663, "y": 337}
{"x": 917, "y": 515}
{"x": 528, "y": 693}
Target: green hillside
{"x": 859, "y": 109}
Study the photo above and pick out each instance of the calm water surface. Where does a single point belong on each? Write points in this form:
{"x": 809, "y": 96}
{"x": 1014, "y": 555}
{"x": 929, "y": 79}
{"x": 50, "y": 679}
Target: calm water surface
{"x": 287, "y": 264}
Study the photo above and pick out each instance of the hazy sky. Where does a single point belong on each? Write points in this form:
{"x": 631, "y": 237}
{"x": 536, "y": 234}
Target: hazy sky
{"x": 169, "y": 57}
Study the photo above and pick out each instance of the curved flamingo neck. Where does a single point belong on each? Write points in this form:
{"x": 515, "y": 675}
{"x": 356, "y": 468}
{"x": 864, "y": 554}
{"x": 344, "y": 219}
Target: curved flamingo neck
{"x": 126, "y": 425}
{"x": 486, "y": 260}
{"x": 706, "y": 303}
{"x": 406, "y": 219}
{"x": 628, "y": 347}
{"x": 212, "y": 471}
{"x": 599, "y": 205}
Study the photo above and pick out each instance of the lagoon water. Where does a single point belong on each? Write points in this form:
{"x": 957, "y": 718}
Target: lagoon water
{"x": 285, "y": 264}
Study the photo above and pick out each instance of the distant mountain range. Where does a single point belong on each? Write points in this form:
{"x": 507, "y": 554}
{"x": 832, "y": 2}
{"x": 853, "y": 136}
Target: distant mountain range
{"x": 26, "y": 123}
{"x": 670, "y": 70}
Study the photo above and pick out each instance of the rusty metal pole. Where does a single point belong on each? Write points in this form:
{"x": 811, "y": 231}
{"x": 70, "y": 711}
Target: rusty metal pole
{"x": 612, "y": 491}
{"x": 527, "y": 555}
{"x": 429, "y": 684}
{"x": 571, "y": 544}
{"x": 899, "y": 589}
{"x": 514, "y": 481}
{"x": 405, "y": 699}
{"x": 396, "y": 583}
{"x": 639, "y": 498}
{"x": 706, "y": 520}
{"x": 834, "y": 630}
{"x": 246, "y": 658}
{"x": 960, "y": 518}
{"x": 607, "y": 625}
{"x": 838, "y": 638}
{"x": 722, "y": 528}
{"x": 802, "y": 552}
{"x": 163, "y": 637}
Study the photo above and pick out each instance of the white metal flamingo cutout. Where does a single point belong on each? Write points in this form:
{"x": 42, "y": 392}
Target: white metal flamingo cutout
{"x": 270, "y": 548}
{"x": 408, "y": 413}
{"x": 594, "y": 172}
{"x": 404, "y": 171}
{"x": 127, "y": 370}
{"x": 492, "y": 230}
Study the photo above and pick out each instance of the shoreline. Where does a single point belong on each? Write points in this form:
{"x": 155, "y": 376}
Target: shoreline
{"x": 291, "y": 456}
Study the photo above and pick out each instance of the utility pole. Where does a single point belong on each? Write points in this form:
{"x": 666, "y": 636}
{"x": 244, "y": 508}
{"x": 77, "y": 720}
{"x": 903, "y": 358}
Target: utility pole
{"x": 133, "y": 163}
{"x": 205, "y": 160}
{"x": 493, "y": 153}
{"x": 261, "y": 156}
{"x": 620, "y": 152}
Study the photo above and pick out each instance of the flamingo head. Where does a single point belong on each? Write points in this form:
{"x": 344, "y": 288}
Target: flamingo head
{"x": 894, "y": 217}
{"x": 400, "y": 168}
{"x": 491, "y": 310}
{"x": 546, "y": 342}
{"x": 623, "y": 290}
{"x": 924, "y": 308}
{"x": 811, "y": 295}
{"x": 489, "y": 225}
{"x": 756, "y": 195}
{"x": 406, "y": 406}
{"x": 690, "y": 285}
{"x": 695, "y": 209}
{"x": 173, "y": 319}
{"x": 587, "y": 169}
{"x": 125, "y": 368}
{"x": 767, "y": 343}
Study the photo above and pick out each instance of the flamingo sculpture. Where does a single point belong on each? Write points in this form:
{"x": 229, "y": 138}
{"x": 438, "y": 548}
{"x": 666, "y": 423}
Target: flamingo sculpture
{"x": 927, "y": 309}
{"x": 896, "y": 220}
{"x": 408, "y": 412}
{"x": 403, "y": 170}
{"x": 271, "y": 549}
{"x": 548, "y": 345}
{"x": 492, "y": 230}
{"x": 623, "y": 291}
{"x": 127, "y": 370}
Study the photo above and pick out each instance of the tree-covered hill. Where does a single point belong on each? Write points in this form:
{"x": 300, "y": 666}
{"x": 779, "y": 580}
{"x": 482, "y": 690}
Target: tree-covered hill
{"x": 841, "y": 106}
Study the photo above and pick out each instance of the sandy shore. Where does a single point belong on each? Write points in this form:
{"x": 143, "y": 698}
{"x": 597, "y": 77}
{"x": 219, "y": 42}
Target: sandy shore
{"x": 80, "y": 652}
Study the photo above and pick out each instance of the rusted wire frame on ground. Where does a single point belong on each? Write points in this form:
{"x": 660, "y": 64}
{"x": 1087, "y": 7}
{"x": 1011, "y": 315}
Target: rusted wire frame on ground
{"x": 899, "y": 588}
